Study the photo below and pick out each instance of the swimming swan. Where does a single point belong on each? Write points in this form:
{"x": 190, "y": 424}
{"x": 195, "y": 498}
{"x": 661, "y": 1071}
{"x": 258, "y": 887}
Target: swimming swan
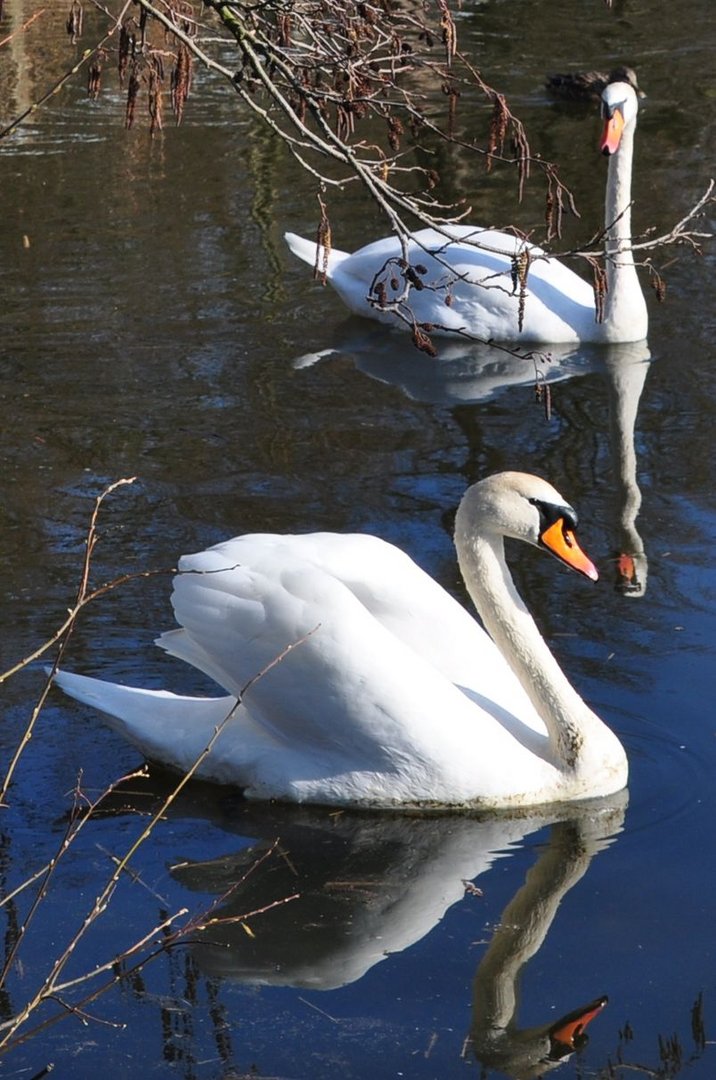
{"x": 559, "y": 304}
{"x": 394, "y": 694}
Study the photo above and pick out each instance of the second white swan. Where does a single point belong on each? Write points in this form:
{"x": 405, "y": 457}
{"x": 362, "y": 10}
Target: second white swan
{"x": 394, "y": 695}
{"x": 462, "y": 288}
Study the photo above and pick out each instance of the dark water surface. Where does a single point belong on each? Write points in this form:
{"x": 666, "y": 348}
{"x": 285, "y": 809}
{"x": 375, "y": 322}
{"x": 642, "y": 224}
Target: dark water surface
{"x": 155, "y": 326}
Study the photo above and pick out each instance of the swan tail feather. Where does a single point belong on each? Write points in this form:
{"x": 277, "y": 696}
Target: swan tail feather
{"x": 166, "y": 727}
{"x": 314, "y": 255}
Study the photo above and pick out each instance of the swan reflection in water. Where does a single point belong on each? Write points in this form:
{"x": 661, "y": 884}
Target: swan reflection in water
{"x": 466, "y": 373}
{"x": 496, "y": 1039}
{"x": 372, "y": 885}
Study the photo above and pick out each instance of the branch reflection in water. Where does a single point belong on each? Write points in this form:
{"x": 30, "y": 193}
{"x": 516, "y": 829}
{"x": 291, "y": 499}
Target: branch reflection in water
{"x": 372, "y": 885}
{"x": 466, "y": 373}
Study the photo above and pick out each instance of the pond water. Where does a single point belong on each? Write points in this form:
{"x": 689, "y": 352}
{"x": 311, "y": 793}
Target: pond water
{"x": 153, "y": 325}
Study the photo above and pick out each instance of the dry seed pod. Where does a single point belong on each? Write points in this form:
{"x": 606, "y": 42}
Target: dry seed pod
{"x": 323, "y": 243}
{"x": 658, "y": 284}
{"x": 154, "y": 95}
{"x": 423, "y": 342}
{"x": 599, "y": 284}
{"x": 127, "y": 47}
{"x": 181, "y": 80}
{"x": 132, "y": 95}
{"x": 74, "y": 21}
{"x": 94, "y": 76}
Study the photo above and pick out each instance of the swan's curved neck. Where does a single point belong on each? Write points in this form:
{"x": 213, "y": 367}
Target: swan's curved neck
{"x": 567, "y": 718}
{"x": 624, "y": 303}
{"x": 617, "y": 204}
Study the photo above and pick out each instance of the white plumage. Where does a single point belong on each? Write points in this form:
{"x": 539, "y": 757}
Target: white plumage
{"x": 394, "y": 694}
{"x": 478, "y": 281}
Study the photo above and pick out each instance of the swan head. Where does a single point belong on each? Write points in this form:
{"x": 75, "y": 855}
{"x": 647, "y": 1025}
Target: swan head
{"x": 620, "y": 105}
{"x": 524, "y": 507}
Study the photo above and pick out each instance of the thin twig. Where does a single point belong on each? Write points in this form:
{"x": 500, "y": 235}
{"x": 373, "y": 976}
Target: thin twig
{"x": 64, "y": 79}
{"x": 23, "y": 28}
{"x": 52, "y": 987}
{"x": 63, "y": 635}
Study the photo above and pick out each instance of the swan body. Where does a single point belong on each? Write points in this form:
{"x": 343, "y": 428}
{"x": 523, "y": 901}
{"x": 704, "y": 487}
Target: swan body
{"x": 392, "y": 694}
{"x": 465, "y": 273}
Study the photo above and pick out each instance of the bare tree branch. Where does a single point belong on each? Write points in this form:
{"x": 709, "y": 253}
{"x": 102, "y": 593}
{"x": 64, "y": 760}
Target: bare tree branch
{"x": 52, "y": 988}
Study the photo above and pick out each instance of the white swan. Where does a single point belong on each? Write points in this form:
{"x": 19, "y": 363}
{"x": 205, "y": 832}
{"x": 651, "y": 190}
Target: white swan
{"x": 396, "y": 695}
{"x": 477, "y": 282}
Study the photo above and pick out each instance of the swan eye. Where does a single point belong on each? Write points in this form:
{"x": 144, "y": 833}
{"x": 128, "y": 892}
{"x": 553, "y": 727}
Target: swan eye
{"x": 550, "y": 513}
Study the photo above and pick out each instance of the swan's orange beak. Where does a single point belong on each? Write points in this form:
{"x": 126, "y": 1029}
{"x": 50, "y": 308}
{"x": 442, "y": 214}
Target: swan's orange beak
{"x": 612, "y": 133}
{"x": 569, "y": 1031}
{"x": 562, "y": 542}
